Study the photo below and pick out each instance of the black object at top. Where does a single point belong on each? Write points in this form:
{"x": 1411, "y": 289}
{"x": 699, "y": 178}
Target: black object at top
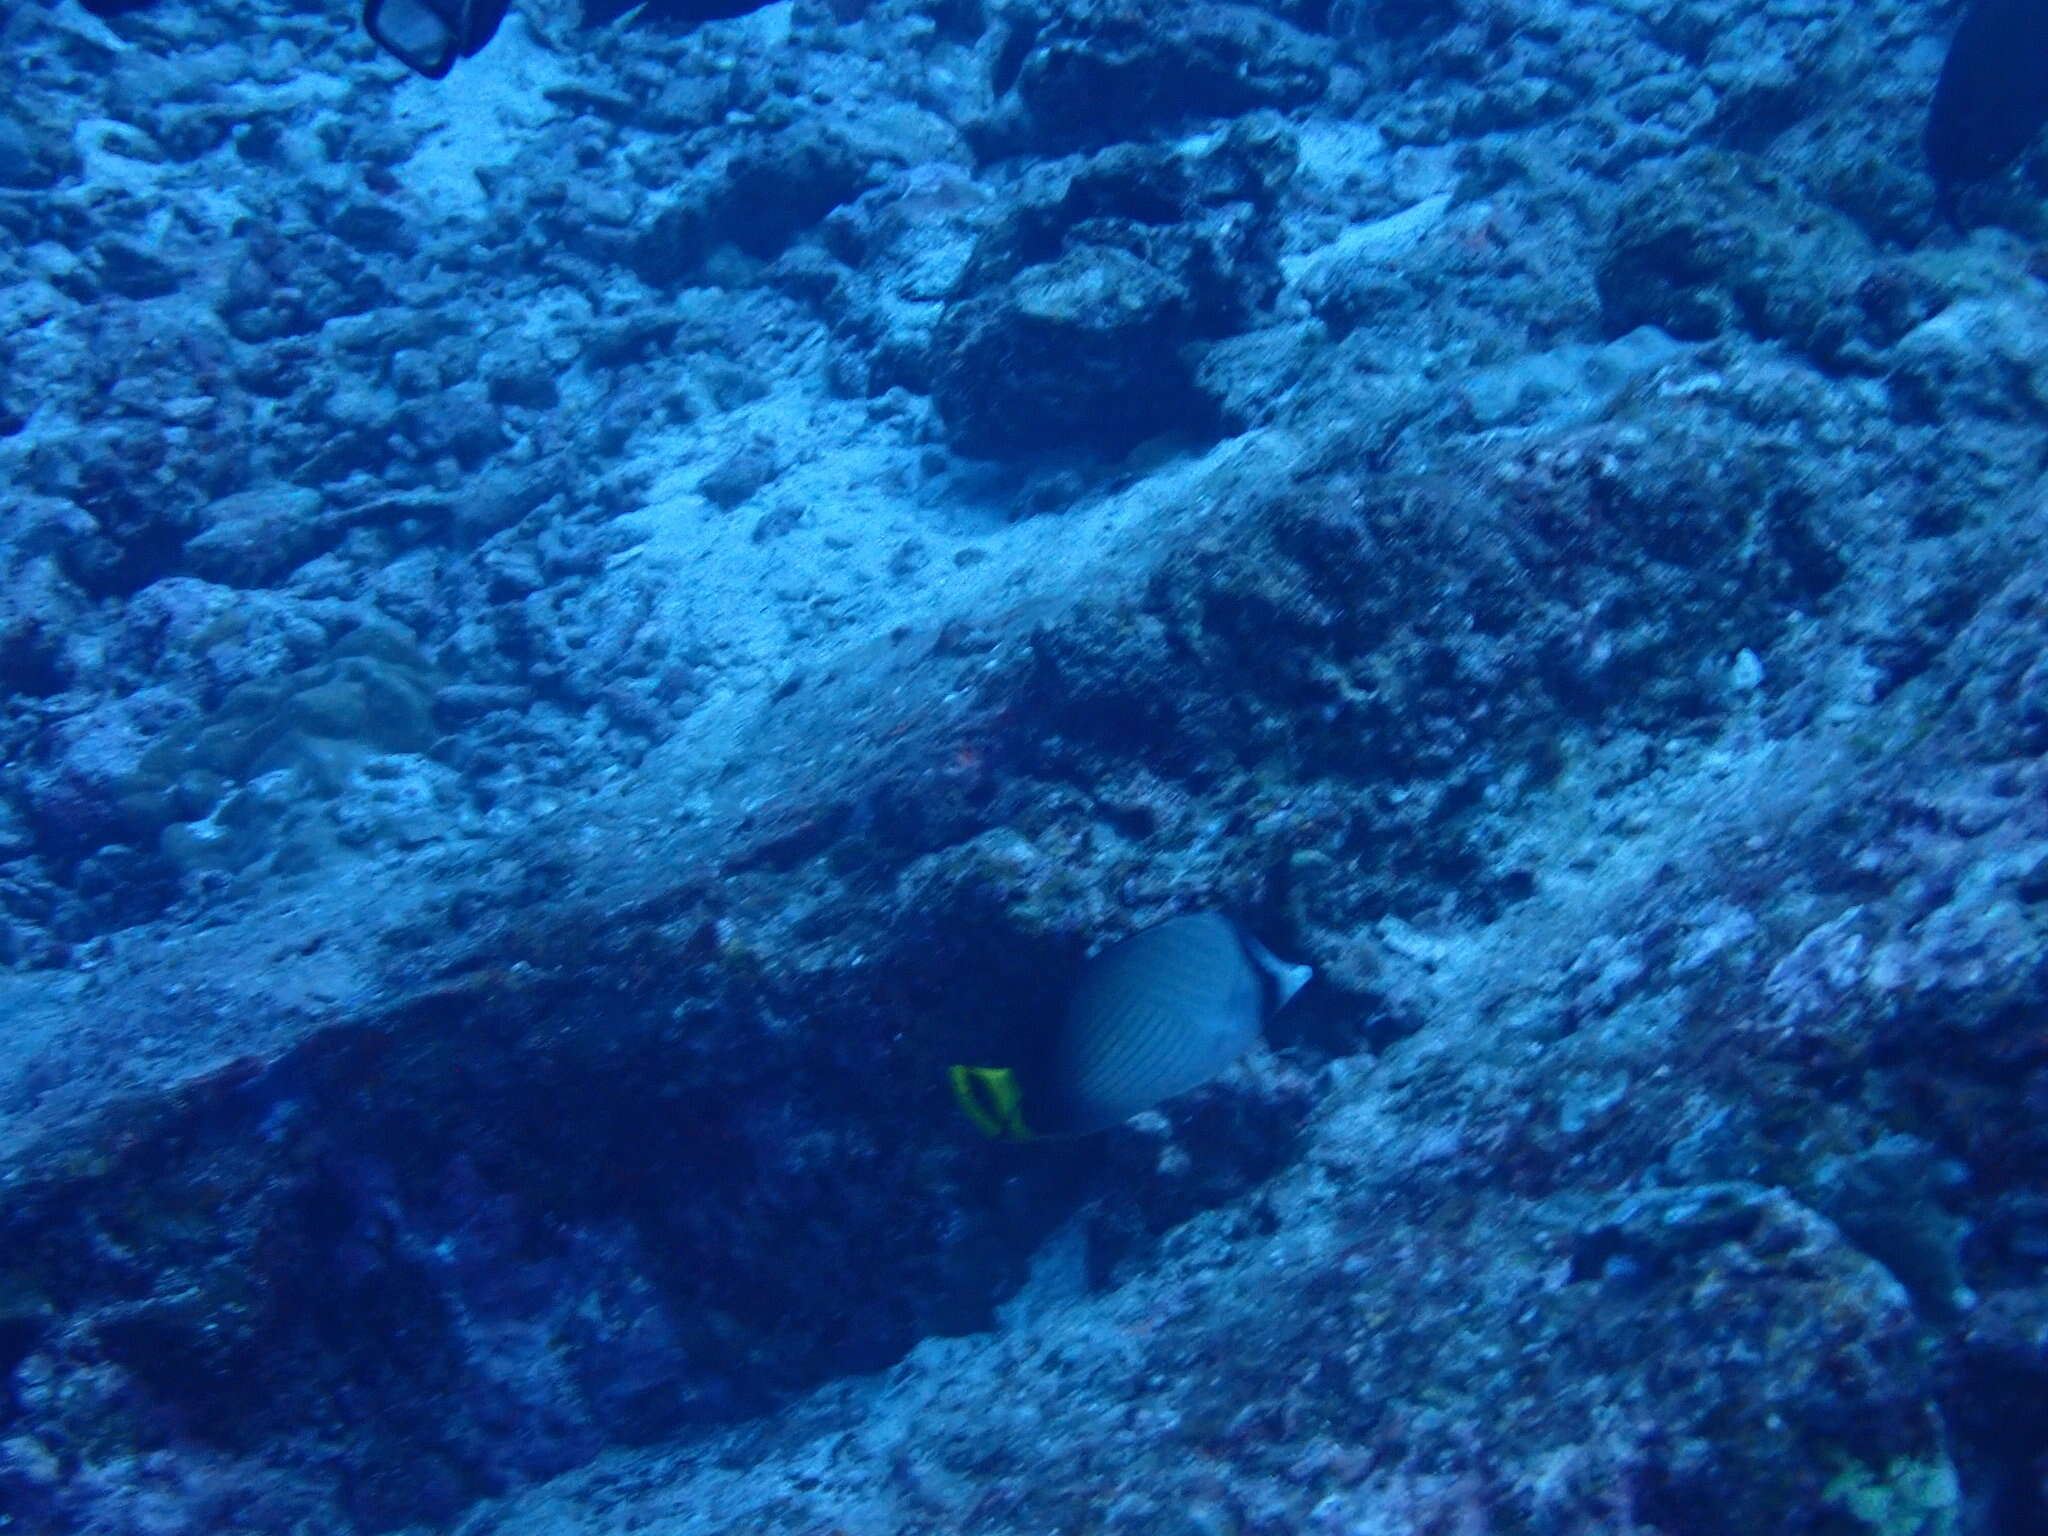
{"x": 1992, "y": 97}
{"x": 428, "y": 36}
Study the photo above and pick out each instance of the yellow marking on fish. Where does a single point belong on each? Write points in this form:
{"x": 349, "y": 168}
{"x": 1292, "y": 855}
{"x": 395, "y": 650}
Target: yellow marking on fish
{"x": 991, "y": 1098}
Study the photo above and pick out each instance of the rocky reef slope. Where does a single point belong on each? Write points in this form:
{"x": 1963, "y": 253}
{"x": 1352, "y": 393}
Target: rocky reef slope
{"x": 570, "y": 637}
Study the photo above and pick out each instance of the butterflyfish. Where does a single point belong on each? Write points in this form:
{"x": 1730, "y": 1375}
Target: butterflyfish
{"x": 1152, "y": 1016}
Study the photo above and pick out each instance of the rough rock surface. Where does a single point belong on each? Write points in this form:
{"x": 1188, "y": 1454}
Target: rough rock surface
{"x": 1076, "y": 320}
{"x": 571, "y": 637}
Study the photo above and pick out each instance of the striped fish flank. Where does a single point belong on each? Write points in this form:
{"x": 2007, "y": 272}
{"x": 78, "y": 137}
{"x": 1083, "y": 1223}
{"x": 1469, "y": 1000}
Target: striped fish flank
{"x": 1151, "y": 1017}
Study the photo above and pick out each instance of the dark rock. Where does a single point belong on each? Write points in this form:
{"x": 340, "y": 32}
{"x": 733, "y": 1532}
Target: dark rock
{"x": 257, "y": 538}
{"x": 365, "y": 700}
{"x": 134, "y": 271}
{"x": 372, "y": 226}
{"x": 764, "y": 197}
{"x": 674, "y": 242}
{"x": 1105, "y": 70}
{"x": 186, "y": 136}
{"x": 1981, "y": 358}
{"x": 1717, "y": 243}
{"x": 808, "y": 273}
{"x": 269, "y": 372}
{"x": 1072, "y": 323}
{"x": 122, "y": 886}
{"x": 500, "y": 498}
{"x": 1253, "y": 376}
{"x": 633, "y": 338}
{"x": 39, "y": 610}
{"x": 101, "y": 785}
{"x": 415, "y": 371}
{"x": 33, "y": 160}
{"x": 460, "y": 422}
{"x": 210, "y": 640}
{"x": 777, "y": 522}
{"x": 524, "y": 379}
{"x": 462, "y": 704}
{"x": 740, "y": 475}
{"x": 1083, "y": 350}
{"x": 776, "y": 191}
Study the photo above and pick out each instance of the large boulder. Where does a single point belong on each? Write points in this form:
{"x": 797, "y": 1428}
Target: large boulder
{"x": 1084, "y": 350}
{"x": 1079, "y": 318}
{"x": 1106, "y": 70}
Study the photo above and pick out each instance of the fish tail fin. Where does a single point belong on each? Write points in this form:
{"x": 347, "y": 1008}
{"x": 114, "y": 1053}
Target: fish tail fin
{"x": 990, "y": 1097}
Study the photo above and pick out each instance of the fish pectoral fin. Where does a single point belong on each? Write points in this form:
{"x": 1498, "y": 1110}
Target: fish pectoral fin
{"x": 990, "y": 1097}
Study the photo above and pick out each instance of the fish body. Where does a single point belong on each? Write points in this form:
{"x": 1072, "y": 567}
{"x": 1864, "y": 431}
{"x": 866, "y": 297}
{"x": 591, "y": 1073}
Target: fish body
{"x": 1151, "y": 1017}
{"x": 428, "y": 36}
{"x": 1992, "y": 96}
